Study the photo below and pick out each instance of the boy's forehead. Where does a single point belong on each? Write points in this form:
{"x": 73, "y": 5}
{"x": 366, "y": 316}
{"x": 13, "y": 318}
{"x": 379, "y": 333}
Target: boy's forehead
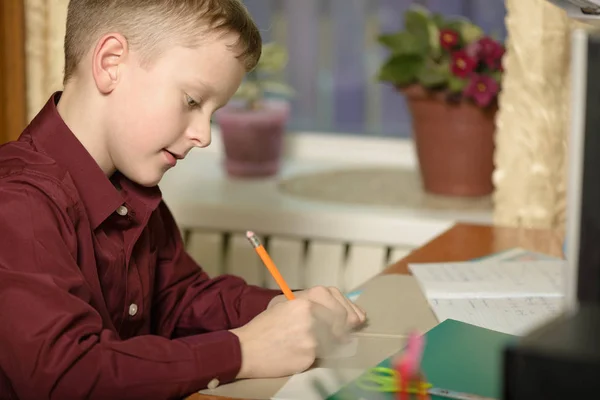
{"x": 214, "y": 47}
{"x": 204, "y": 63}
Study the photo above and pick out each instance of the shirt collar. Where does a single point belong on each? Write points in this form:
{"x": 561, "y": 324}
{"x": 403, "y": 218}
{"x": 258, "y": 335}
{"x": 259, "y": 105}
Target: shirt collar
{"x": 99, "y": 196}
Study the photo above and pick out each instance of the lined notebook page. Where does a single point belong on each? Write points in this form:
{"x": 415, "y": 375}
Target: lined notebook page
{"x": 490, "y": 279}
{"x": 515, "y": 316}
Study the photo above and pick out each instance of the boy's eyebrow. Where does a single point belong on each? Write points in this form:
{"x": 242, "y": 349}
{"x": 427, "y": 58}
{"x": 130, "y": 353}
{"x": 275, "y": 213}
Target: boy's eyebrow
{"x": 206, "y": 87}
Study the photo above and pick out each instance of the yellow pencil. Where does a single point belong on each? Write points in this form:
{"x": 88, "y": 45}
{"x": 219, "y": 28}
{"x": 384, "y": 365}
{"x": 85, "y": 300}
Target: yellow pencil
{"x": 264, "y": 256}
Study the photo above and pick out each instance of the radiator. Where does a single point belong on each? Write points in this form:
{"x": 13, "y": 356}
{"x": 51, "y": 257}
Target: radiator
{"x": 304, "y": 262}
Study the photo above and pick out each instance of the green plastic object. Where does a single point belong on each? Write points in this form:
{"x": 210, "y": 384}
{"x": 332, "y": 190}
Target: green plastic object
{"x": 458, "y": 357}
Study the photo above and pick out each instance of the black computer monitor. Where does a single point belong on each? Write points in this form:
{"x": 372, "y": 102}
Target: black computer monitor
{"x": 583, "y": 204}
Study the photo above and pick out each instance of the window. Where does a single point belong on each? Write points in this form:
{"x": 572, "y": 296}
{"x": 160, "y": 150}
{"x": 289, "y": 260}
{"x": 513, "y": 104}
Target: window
{"x": 334, "y": 57}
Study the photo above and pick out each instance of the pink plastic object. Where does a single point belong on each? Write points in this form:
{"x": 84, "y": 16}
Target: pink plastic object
{"x": 410, "y": 364}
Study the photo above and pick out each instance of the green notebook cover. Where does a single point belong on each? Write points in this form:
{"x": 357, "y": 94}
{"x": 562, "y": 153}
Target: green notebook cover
{"x": 457, "y": 356}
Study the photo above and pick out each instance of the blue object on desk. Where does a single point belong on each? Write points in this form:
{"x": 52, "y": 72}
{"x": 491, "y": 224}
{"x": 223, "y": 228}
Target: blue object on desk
{"x": 352, "y": 296}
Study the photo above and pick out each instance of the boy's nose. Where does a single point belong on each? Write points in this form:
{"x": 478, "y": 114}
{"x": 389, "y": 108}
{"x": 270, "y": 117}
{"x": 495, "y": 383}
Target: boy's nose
{"x": 200, "y": 135}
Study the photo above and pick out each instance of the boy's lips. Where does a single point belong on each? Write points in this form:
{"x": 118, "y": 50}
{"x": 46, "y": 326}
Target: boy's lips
{"x": 176, "y": 155}
{"x": 172, "y": 157}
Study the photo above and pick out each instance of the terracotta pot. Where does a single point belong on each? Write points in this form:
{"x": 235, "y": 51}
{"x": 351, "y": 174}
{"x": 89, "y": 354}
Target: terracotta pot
{"x": 454, "y": 143}
{"x": 253, "y": 139}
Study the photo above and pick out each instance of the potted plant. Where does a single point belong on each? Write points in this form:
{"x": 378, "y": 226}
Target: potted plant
{"x": 254, "y": 122}
{"x": 450, "y": 73}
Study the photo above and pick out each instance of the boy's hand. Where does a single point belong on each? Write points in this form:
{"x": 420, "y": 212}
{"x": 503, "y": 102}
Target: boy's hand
{"x": 347, "y": 315}
{"x": 285, "y": 338}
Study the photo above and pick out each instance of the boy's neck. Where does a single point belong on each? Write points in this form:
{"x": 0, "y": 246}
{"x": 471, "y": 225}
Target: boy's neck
{"x": 83, "y": 115}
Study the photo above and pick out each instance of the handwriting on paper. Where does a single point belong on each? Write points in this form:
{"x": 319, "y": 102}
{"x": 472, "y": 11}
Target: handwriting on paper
{"x": 515, "y": 316}
{"x": 490, "y": 279}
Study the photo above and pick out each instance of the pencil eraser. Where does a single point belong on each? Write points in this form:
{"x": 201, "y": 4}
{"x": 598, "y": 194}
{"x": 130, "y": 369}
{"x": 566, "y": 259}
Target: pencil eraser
{"x": 249, "y": 234}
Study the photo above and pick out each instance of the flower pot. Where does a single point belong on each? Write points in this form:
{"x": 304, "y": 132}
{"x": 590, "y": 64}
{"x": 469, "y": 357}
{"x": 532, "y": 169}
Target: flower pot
{"x": 454, "y": 143}
{"x": 253, "y": 139}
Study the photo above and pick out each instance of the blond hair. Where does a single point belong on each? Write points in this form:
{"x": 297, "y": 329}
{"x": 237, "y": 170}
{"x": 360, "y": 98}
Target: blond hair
{"x": 149, "y": 24}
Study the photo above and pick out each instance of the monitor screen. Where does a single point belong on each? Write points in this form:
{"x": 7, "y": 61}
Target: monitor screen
{"x": 583, "y": 210}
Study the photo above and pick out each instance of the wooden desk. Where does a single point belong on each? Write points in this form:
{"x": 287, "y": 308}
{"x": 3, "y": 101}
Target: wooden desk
{"x": 464, "y": 242}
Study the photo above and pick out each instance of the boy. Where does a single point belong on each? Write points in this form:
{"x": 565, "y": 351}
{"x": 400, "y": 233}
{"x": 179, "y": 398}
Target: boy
{"x": 99, "y": 299}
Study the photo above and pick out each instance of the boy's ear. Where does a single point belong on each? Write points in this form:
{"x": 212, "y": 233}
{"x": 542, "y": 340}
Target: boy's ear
{"x": 108, "y": 56}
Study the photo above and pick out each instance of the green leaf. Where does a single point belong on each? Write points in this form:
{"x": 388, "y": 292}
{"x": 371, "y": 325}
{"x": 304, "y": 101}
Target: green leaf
{"x": 434, "y": 41}
{"x": 456, "y": 84}
{"x": 434, "y": 75}
{"x": 497, "y": 76}
{"x": 273, "y": 59}
{"x": 455, "y": 23}
{"x": 248, "y": 90}
{"x": 439, "y": 20}
{"x": 470, "y": 32}
{"x": 277, "y": 87}
{"x": 417, "y": 21}
{"x": 401, "y": 69}
{"x": 403, "y": 43}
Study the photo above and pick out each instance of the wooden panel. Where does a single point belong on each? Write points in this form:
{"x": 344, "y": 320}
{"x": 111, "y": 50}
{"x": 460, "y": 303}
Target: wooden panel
{"x": 206, "y": 248}
{"x": 12, "y": 70}
{"x": 324, "y": 264}
{"x": 288, "y": 256}
{"x": 364, "y": 262}
{"x": 242, "y": 260}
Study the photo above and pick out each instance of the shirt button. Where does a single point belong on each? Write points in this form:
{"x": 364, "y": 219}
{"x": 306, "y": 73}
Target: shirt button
{"x": 122, "y": 211}
{"x": 133, "y": 309}
{"x": 213, "y": 384}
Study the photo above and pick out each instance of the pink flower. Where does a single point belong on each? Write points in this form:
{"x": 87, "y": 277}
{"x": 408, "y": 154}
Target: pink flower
{"x": 482, "y": 89}
{"x": 462, "y": 64}
{"x": 491, "y": 52}
{"x": 473, "y": 50}
{"x": 448, "y": 38}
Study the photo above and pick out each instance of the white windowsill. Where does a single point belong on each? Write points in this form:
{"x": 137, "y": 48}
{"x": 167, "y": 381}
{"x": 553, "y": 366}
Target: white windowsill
{"x": 201, "y": 196}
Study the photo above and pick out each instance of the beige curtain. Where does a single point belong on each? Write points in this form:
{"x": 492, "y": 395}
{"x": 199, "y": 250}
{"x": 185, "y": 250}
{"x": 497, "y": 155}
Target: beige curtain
{"x": 534, "y": 117}
{"x": 45, "y": 31}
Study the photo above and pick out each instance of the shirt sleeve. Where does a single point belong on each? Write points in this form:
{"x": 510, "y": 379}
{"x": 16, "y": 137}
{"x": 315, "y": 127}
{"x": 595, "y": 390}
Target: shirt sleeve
{"x": 53, "y": 344}
{"x": 188, "y": 301}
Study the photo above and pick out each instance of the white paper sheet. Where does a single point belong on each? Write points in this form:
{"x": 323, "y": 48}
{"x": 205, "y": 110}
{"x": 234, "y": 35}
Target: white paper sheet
{"x": 301, "y": 387}
{"x": 515, "y": 316}
{"x": 490, "y": 279}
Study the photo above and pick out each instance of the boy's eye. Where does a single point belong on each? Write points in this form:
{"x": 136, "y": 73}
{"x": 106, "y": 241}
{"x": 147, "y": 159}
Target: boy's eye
{"x": 191, "y": 103}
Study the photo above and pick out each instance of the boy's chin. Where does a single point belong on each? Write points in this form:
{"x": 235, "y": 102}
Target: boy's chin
{"x": 146, "y": 179}
{"x": 149, "y": 182}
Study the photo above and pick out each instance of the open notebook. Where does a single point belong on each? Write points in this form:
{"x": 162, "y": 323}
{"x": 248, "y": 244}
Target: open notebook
{"x": 509, "y": 293}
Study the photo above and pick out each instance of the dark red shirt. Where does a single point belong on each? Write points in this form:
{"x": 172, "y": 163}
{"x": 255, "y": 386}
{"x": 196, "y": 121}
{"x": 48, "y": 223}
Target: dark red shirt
{"x": 98, "y": 298}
